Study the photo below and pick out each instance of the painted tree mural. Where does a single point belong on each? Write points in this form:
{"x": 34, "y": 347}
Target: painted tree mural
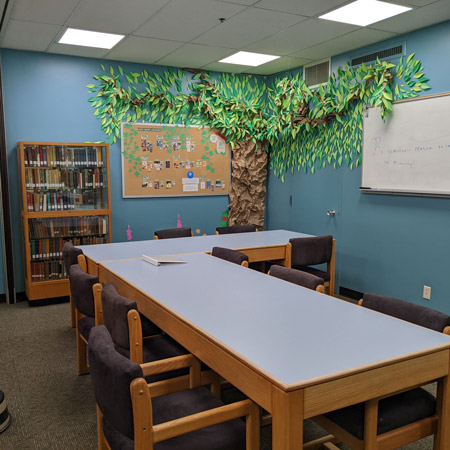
{"x": 297, "y": 127}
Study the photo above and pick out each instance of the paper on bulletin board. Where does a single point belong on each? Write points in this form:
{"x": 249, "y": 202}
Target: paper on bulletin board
{"x": 160, "y": 160}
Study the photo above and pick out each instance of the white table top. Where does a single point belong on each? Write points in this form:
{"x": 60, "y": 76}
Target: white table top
{"x": 135, "y": 249}
{"x": 294, "y": 335}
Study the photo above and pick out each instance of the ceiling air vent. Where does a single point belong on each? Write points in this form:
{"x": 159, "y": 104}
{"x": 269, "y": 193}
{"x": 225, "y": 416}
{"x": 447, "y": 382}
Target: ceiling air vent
{"x": 394, "y": 51}
{"x": 316, "y": 74}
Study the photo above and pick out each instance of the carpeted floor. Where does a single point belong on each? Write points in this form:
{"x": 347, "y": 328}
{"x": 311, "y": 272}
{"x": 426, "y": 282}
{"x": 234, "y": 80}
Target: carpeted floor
{"x": 51, "y": 406}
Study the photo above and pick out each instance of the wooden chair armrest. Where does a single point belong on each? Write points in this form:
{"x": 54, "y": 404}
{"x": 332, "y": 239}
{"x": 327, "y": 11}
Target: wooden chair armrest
{"x": 169, "y": 364}
{"x": 176, "y": 384}
{"x": 204, "y": 419}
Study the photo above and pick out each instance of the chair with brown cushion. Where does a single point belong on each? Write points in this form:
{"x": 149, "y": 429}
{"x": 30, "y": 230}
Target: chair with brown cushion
{"x": 84, "y": 288}
{"x": 236, "y": 229}
{"x": 132, "y": 415}
{"x": 172, "y": 233}
{"x": 390, "y": 422}
{"x": 230, "y": 255}
{"x": 306, "y": 252}
{"x": 295, "y": 276}
{"x": 70, "y": 256}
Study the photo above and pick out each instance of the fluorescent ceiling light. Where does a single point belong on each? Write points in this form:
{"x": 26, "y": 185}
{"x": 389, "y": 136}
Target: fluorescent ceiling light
{"x": 248, "y": 59}
{"x": 364, "y": 12}
{"x": 85, "y": 38}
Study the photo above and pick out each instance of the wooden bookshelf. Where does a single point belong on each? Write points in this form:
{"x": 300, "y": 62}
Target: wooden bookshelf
{"x": 64, "y": 196}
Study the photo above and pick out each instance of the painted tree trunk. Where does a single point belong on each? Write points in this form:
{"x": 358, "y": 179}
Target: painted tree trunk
{"x": 248, "y": 184}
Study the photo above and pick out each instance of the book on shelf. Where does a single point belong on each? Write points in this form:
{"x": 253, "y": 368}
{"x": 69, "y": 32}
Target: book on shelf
{"x": 62, "y": 156}
{"x": 158, "y": 260}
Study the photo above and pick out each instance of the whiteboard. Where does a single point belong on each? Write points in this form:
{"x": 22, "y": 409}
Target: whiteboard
{"x": 409, "y": 153}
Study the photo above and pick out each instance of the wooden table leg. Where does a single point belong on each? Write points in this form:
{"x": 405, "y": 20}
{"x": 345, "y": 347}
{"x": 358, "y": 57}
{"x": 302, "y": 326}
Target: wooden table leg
{"x": 442, "y": 439}
{"x": 287, "y": 419}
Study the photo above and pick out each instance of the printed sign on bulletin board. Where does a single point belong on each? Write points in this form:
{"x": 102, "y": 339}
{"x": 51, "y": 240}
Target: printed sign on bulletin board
{"x": 160, "y": 160}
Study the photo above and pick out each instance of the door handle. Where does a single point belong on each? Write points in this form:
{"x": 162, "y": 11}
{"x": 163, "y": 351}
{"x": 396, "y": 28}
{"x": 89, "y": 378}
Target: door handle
{"x": 331, "y": 212}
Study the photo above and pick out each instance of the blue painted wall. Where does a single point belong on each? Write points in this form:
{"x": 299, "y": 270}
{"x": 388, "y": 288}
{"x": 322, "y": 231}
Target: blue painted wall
{"x": 391, "y": 245}
{"x": 46, "y": 100}
{"x": 386, "y": 244}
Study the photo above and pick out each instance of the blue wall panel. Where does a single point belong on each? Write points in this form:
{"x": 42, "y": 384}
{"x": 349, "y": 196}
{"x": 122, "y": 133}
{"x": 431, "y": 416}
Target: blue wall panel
{"x": 392, "y": 245}
{"x": 46, "y": 99}
{"x": 386, "y": 244}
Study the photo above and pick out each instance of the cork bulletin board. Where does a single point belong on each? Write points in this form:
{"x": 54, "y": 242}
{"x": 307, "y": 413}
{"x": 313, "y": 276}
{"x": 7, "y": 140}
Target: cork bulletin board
{"x": 160, "y": 160}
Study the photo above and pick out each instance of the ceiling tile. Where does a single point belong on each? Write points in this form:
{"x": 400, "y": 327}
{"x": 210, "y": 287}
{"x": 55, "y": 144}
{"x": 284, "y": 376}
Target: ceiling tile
{"x": 77, "y": 50}
{"x": 306, "y": 34}
{"x": 29, "y": 35}
{"x": 194, "y": 56}
{"x": 114, "y": 16}
{"x": 240, "y": 2}
{"x": 247, "y": 27}
{"x": 415, "y": 2}
{"x": 417, "y": 18}
{"x": 183, "y": 20}
{"x": 310, "y": 8}
{"x": 341, "y": 44}
{"x": 142, "y": 50}
{"x": 45, "y": 11}
{"x": 282, "y": 64}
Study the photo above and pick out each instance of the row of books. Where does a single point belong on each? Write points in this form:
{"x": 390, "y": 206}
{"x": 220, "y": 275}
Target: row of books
{"x": 52, "y": 248}
{"x": 63, "y": 200}
{"x": 47, "y": 270}
{"x": 36, "y": 178}
{"x": 68, "y": 227}
{"x": 62, "y": 156}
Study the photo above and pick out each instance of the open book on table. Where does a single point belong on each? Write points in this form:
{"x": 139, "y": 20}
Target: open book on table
{"x": 157, "y": 260}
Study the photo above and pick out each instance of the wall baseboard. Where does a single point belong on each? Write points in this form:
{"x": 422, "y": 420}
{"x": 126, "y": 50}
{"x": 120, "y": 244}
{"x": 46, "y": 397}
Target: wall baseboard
{"x": 22, "y": 297}
{"x": 350, "y": 293}
{"x": 48, "y": 301}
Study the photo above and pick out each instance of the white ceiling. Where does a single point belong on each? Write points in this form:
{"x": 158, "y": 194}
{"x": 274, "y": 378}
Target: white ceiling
{"x": 188, "y": 33}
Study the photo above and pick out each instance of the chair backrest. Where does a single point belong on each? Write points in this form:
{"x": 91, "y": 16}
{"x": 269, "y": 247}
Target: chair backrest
{"x": 115, "y": 313}
{"x": 236, "y": 229}
{"x": 70, "y": 255}
{"x": 171, "y": 233}
{"x": 417, "y": 314}
{"x": 304, "y": 279}
{"x": 81, "y": 290}
{"x": 111, "y": 375}
{"x": 229, "y": 255}
{"x": 311, "y": 251}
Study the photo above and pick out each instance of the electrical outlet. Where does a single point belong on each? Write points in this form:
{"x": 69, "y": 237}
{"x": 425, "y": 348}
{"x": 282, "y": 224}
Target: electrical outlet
{"x": 427, "y": 292}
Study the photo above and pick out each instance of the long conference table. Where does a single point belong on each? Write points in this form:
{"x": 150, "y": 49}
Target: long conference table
{"x": 295, "y": 352}
{"x": 259, "y": 246}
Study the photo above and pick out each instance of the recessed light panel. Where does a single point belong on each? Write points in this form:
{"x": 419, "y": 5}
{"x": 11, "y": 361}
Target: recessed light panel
{"x": 248, "y": 59}
{"x": 364, "y": 12}
{"x": 72, "y": 36}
